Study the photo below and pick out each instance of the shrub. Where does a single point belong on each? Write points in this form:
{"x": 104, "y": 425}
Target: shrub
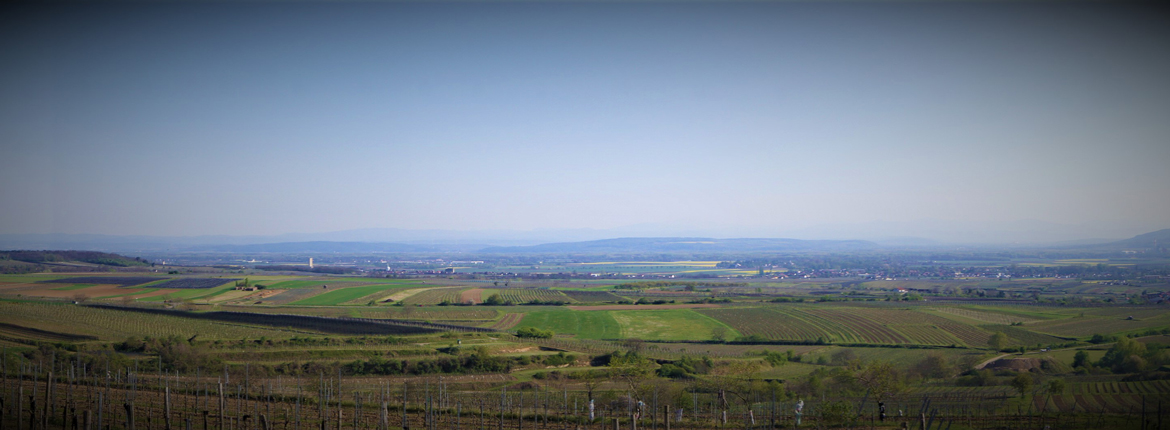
{"x": 533, "y": 332}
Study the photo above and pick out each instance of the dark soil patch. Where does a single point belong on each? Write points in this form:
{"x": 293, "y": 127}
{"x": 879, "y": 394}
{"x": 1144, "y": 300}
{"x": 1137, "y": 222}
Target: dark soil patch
{"x": 193, "y": 283}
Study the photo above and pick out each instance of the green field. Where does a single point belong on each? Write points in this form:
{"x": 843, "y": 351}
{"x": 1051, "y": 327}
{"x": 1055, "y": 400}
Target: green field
{"x": 311, "y": 283}
{"x": 668, "y": 324}
{"x": 300, "y": 284}
{"x": 586, "y": 325}
{"x": 343, "y": 295}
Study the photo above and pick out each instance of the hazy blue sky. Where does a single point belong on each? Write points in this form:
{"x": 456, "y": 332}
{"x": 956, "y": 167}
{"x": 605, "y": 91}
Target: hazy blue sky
{"x": 301, "y": 117}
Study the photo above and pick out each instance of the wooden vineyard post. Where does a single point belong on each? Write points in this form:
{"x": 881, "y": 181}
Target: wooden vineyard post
{"x": 129, "y": 415}
{"x": 68, "y": 402}
{"x": 48, "y": 401}
{"x": 1145, "y": 422}
{"x": 167, "y": 412}
{"x": 221, "y": 405}
{"x": 32, "y": 409}
{"x": 384, "y": 419}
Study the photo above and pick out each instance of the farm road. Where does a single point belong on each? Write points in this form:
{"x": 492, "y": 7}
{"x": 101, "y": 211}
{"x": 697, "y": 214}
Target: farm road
{"x": 991, "y": 360}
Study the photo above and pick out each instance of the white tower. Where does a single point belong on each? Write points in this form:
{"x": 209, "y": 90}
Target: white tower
{"x": 310, "y": 262}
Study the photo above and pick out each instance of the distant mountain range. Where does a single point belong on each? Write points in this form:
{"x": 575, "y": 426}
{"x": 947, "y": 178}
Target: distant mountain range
{"x": 378, "y": 241}
{"x": 1151, "y": 240}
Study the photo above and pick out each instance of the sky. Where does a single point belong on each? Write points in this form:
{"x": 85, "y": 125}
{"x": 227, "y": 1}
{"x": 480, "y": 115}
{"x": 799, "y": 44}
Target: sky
{"x": 759, "y": 118}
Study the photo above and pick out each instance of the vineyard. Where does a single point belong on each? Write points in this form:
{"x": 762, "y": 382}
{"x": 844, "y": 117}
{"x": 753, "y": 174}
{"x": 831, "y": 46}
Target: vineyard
{"x": 462, "y": 313}
{"x": 526, "y": 295}
{"x": 725, "y": 350}
{"x": 112, "y": 324}
{"x": 1021, "y": 336}
{"x": 121, "y": 281}
{"x": 508, "y": 321}
{"x": 851, "y": 325}
{"x": 343, "y": 295}
{"x": 592, "y": 296}
{"x": 1089, "y": 325}
{"x": 284, "y": 297}
{"x": 1080, "y": 397}
{"x": 65, "y": 392}
{"x": 985, "y": 316}
{"x": 932, "y": 329}
{"x": 767, "y": 323}
{"x": 431, "y": 313}
{"x": 434, "y": 296}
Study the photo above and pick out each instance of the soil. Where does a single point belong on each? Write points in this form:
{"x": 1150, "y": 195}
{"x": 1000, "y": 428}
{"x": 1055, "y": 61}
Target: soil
{"x": 472, "y": 296}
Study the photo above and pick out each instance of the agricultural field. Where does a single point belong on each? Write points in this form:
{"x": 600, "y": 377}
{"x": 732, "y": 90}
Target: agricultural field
{"x": 432, "y": 313}
{"x": 1103, "y": 321}
{"x": 427, "y": 313}
{"x": 94, "y": 292}
{"x": 121, "y": 281}
{"x": 849, "y": 325}
{"x": 74, "y": 287}
{"x": 669, "y": 324}
{"x": 434, "y": 296}
{"x": 1115, "y": 397}
{"x": 985, "y": 316}
{"x": 728, "y": 350}
{"x": 344, "y": 295}
{"x": 766, "y": 323}
{"x": 525, "y": 295}
{"x": 364, "y": 338}
{"x": 507, "y": 322}
{"x": 586, "y": 325}
{"x": 901, "y": 334}
{"x": 330, "y": 282}
{"x": 592, "y": 296}
{"x": 657, "y": 267}
{"x": 116, "y": 325}
{"x": 473, "y": 296}
{"x": 194, "y": 283}
{"x": 288, "y": 296}
{"x": 1019, "y": 336}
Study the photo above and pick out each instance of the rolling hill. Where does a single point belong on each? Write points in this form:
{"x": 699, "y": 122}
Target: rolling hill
{"x": 685, "y": 244}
